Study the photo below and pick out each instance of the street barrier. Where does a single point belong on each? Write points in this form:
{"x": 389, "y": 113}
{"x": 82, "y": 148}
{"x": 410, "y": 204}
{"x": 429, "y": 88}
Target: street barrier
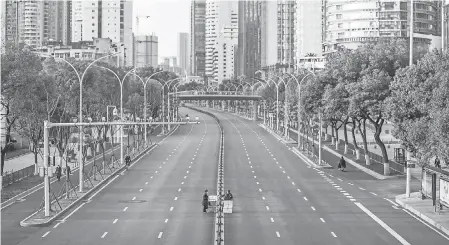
{"x": 219, "y": 214}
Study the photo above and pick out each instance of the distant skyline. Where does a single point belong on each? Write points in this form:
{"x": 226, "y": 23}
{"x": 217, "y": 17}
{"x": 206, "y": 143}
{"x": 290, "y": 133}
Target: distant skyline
{"x": 167, "y": 19}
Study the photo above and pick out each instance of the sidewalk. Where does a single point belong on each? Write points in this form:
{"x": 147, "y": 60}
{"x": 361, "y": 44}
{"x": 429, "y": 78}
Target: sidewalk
{"x": 424, "y": 210}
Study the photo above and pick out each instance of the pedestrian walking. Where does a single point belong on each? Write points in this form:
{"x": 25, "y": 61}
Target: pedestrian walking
{"x": 58, "y": 172}
{"x": 437, "y": 162}
{"x": 342, "y": 164}
{"x": 68, "y": 171}
{"x": 205, "y": 201}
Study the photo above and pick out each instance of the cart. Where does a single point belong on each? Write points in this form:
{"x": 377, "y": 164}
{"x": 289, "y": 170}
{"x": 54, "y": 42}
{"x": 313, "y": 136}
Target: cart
{"x": 212, "y": 203}
{"x": 227, "y": 206}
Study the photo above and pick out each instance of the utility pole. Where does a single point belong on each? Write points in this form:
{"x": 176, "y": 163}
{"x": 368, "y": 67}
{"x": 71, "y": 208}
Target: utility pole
{"x": 407, "y": 188}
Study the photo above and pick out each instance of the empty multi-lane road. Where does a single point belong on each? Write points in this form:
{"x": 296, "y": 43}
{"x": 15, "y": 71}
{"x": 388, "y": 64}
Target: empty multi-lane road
{"x": 279, "y": 199}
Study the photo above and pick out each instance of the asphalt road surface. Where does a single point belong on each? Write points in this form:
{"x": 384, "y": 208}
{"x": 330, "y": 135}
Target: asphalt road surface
{"x": 279, "y": 199}
{"x": 157, "y": 201}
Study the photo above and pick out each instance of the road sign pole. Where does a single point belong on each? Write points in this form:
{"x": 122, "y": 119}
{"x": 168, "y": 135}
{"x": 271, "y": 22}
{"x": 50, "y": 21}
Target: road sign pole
{"x": 407, "y": 187}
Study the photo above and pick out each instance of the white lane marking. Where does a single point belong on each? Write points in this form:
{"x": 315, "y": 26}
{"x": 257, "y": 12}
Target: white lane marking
{"x": 187, "y": 171}
{"x": 283, "y": 172}
{"x": 257, "y": 182}
{"x": 373, "y": 193}
{"x": 260, "y": 190}
{"x": 252, "y": 171}
{"x": 322, "y": 220}
{"x": 255, "y": 177}
{"x": 134, "y": 198}
{"x": 146, "y": 183}
{"x": 353, "y": 200}
{"x": 305, "y": 198}
{"x": 277, "y": 234}
{"x": 288, "y": 177}
{"x": 160, "y": 166}
{"x": 160, "y": 235}
{"x": 176, "y": 198}
{"x": 293, "y": 183}
{"x": 331, "y": 175}
{"x": 185, "y": 177}
{"x": 263, "y": 198}
{"x": 190, "y": 166}
{"x": 362, "y": 189}
{"x": 166, "y": 220}
{"x": 339, "y": 179}
{"x": 350, "y": 184}
{"x": 125, "y": 209}
{"x": 333, "y": 234}
{"x": 336, "y": 186}
{"x": 350, "y": 197}
{"x": 395, "y": 204}
{"x": 56, "y": 225}
{"x": 104, "y": 234}
{"x": 151, "y": 177}
{"x": 76, "y": 209}
{"x": 272, "y": 220}
{"x": 381, "y": 223}
{"x": 155, "y": 172}
{"x": 405, "y": 210}
{"x": 171, "y": 209}
{"x": 46, "y": 233}
{"x": 298, "y": 190}
{"x": 115, "y": 221}
{"x": 274, "y": 158}
{"x": 313, "y": 208}
{"x": 340, "y": 189}
{"x": 140, "y": 190}
{"x": 182, "y": 183}
{"x": 346, "y": 194}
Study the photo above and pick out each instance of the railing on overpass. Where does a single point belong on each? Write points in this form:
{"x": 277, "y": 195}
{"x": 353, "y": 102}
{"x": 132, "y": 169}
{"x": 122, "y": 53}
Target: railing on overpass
{"x": 197, "y": 92}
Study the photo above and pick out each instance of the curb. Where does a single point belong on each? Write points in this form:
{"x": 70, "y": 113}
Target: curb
{"x": 420, "y": 215}
{"x": 23, "y": 223}
{"x": 360, "y": 167}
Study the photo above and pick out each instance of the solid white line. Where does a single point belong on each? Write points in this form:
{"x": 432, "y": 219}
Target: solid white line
{"x": 46, "y": 233}
{"x": 443, "y": 235}
{"x": 171, "y": 209}
{"x": 56, "y": 225}
{"x": 272, "y": 220}
{"x": 76, "y": 209}
{"x": 395, "y": 204}
{"x": 115, "y": 221}
{"x": 333, "y": 234}
{"x": 277, "y": 234}
{"x": 90, "y": 198}
{"x": 166, "y": 220}
{"x": 176, "y": 198}
{"x": 268, "y": 208}
{"x": 125, "y": 208}
{"x": 381, "y": 223}
{"x": 322, "y": 220}
{"x": 104, "y": 234}
{"x": 134, "y": 198}
{"x": 305, "y": 198}
{"x": 313, "y": 208}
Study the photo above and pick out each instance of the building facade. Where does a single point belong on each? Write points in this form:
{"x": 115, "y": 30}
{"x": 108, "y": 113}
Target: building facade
{"x": 146, "y": 51}
{"x": 220, "y": 15}
{"x": 308, "y": 30}
{"x": 104, "y": 19}
{"x": 349, "y": 23}
{"x": 183, "y": 52}
{"x": 225, "y": 54}
{"x": 249, "y": 49}
{"x": 198, "y": 38}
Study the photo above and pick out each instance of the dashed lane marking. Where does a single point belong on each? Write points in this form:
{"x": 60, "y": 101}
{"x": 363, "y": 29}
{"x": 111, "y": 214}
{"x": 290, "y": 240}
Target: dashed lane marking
{"x": 46, "y": 233}
{"x": 56, "y": 225}
{"x": 313, "y": 208}
{"x": 134, "y": 198}
{"x": 176, "y": 198}
{"x": 260, "y": 190}
{"x": 373, "y": 193}
{"x": 160, "y": 235}
{"x": 171, "y": 209}
{"x": 146, "y": 183}
{"x": 298, "y": 190}
{"x": 272, "y": 220}
{"x": 104, "y": 234}
{"x": 322, "y": 220}
{"x": 305, "y": 198}
{"x": 115, "y": 221}
{"x": 277, "y": 234}
{"x": 166, "y": 220}
{"x": 268, "y": 208}
{"x": 362, "y": 189}
{"x": 124, "y": 210}
{"x": 333, "y": 234}
{"x": 263, "y": 198}
{"x": 140, "y": 190}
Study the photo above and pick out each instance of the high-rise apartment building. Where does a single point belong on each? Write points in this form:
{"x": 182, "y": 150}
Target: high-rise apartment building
{"x": 278, "y": 34}
{"x": 34, "y": 23}
{"x": 220, "y": 15}
{"x": 104, "y": 19}
{"x": 183, "y": 52}
{"x": 349, "y": 23}
{"x": 198, "y": 37}
{"x": 145, "y": 51}
{"x": 225, "y": 54}
{"x": 248, "y": 59}
{"x": 308, "y": 30}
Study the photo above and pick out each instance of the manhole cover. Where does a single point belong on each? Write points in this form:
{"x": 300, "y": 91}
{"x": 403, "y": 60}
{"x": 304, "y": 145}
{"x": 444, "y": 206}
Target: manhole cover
{"x": 20, "y": 200}
{"x": 132, "y": 201}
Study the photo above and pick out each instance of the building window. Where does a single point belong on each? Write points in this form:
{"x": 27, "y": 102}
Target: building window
{"x": 340, "y": 25}
{"x": 338, "y": 7}
{"x": 338, "y": 16}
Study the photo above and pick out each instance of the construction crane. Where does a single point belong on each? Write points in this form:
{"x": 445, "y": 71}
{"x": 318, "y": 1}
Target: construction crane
{"x": 138, "y": 23}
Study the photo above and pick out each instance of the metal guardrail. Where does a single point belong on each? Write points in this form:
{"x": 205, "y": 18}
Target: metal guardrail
{"x": 10, "y": 177}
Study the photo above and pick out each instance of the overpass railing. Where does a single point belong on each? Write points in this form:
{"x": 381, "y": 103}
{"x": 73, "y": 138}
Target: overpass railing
{"x": 196, "y": 92}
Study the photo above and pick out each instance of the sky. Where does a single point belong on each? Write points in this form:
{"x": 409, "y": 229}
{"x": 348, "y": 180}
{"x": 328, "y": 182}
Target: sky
{"x": 167, "y": 19}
